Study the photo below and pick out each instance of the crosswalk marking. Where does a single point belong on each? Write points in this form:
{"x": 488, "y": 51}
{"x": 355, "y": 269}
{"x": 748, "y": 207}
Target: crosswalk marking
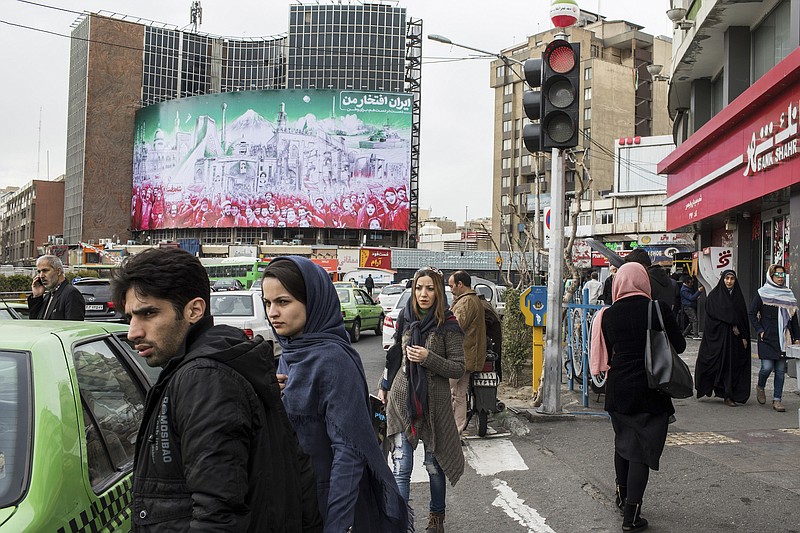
{"x": 515, "y": 507}
{"x": 488, "y": 457}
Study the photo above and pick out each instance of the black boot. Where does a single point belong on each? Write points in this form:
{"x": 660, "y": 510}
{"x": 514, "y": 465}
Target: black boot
{"x": 435, "y": 523}
{"x": 632, "y": 520}
{"x": 622, "y": 493}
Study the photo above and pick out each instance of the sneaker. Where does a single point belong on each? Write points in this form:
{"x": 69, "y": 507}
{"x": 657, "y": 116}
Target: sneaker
{"x": 761, "y": 396}
{"x": 778, "y": 406}
{"x": 697, "y": 338}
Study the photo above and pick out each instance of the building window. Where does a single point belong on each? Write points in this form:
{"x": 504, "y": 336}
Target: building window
{"x": 587, "y": 93}
{"x": 526, "y": 160}
{"x": 604, "y": 217}
{"x": 506, "y": 144}
{"x": 595, "y": 50}
{"x": 584, "y": 219}
{"x": 587, "y": 134}
{"x": 508, "y": 89}
{"x": 506, "y": 126}
{"x": 772, "y": 40}
{"x": 501, "y": 71}
{"x": 504, "y": 200}
{"x": 505, "y": 182}
{"x": 654, "y": 214}
{"x": 587, "y": 73}
{"x": 507, "y": 108}
{"x": 627, "y": 215}
{"x": 506, "y": 163}
{"x": 587, "y": 113}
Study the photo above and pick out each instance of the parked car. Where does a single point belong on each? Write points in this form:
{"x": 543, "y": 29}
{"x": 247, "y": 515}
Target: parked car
{"x": 492, "y": 292}
{"x": 97, "y": 296}
{"x": 389, "y": 296}
{"x": 9, "y": 313}
{"x": 226, "y": 284}
{"x": 345, "y": 284}
{"x": 72, "y": 397}
{"x": 243, "y": 310}
{"x": 390, "y": 321}
{"x": 359, "y": 311}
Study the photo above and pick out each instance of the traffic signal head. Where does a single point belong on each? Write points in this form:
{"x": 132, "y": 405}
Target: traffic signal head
{"x": 560, "y": 106}
{"x": 532, "y": 105}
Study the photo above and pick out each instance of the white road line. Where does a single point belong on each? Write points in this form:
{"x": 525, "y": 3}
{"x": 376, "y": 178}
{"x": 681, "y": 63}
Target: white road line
{"x": 488, "y": 457}
{"x": 513, "y": 506}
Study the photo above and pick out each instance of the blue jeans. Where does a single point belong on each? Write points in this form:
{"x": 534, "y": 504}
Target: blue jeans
{"x": 403, "y": 460}
{"x": 767, "y": 366}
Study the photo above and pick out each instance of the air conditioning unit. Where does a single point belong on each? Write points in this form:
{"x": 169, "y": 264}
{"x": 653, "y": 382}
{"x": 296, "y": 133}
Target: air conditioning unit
{"x": 58, "y": 240}
{"x": 262, "y": 243}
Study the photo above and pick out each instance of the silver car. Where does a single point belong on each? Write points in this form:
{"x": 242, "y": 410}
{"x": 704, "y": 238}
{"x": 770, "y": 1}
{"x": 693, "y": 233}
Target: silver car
{"x": 243, "y": 310}
{"x": 389, "y": 295}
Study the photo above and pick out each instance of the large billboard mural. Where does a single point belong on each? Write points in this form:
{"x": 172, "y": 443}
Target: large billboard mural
{"x": 272, "y": 159}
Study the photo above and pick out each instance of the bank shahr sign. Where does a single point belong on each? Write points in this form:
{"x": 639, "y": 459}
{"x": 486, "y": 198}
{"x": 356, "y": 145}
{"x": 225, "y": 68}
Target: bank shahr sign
{"x": 290, "y": 158}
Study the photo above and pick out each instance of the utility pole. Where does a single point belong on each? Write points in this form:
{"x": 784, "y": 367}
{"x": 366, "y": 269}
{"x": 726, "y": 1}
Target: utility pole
{"x": 551, "y": 403}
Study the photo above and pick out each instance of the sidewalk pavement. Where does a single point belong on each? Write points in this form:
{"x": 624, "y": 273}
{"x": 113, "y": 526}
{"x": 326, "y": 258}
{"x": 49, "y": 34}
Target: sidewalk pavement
{"x": 738, "y": 456}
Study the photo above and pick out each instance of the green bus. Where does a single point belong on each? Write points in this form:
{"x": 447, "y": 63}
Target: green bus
{"x": 247, "y": 270}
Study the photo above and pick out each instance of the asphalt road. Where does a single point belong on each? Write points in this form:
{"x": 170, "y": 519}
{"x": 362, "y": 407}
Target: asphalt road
{"x": 723, "y": 469}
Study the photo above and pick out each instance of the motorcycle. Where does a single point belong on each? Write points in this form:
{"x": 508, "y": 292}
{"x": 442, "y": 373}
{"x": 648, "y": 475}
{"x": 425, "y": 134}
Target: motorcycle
{"x": 482, "y": 393}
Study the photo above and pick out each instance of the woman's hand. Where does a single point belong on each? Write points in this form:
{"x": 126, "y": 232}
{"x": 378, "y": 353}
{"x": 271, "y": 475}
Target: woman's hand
{"x": 736, "y": 330}
{"x": 282, "y": 381}
{"x": 417, "y": 354}
{"x": 382, "y": 396}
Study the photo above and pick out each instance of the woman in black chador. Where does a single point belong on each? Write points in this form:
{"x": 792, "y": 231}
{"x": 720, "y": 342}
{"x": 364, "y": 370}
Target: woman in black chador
{"x": 723, "y": 361}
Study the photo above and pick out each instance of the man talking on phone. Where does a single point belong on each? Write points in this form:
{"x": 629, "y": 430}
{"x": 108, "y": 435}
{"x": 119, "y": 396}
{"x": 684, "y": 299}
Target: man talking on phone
{"x": 53, "y": 297}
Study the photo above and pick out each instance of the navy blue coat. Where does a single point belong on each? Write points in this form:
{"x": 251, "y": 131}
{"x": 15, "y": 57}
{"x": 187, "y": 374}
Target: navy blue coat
{"x": 765, "y": 319}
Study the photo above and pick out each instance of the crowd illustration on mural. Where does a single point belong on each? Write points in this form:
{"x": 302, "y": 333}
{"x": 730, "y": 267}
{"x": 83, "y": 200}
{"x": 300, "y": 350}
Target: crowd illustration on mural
{"x": 336, "y": 172}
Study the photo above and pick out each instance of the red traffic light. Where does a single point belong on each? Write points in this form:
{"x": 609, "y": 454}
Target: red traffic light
{"x": 560, "y": 56}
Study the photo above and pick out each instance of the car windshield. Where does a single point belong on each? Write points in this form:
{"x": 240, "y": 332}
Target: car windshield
{"x": 14, "y": 426}
{"x": 344, "y": 296}
{"x": 232, "y": 305}
{"x": 393, "y": 289}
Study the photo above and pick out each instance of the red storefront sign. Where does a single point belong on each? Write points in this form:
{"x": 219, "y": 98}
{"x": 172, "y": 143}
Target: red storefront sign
{"x": 745, "y": 152}
{"x": 330, "y": 265}
{"x": 375, "y": 258}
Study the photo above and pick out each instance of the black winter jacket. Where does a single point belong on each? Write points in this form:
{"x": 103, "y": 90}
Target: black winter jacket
{"x": 215, "y": 451}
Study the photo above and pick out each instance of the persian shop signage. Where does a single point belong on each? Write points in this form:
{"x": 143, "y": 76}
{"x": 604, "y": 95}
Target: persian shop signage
{"x": 772, "y": 148}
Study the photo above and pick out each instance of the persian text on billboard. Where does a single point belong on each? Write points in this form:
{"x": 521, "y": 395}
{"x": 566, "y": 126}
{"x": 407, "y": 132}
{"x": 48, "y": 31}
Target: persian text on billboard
{"x": 293, "y": 158}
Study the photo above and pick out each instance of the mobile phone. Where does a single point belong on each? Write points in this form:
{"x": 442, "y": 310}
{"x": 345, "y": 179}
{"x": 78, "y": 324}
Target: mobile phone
{"x": 37, "y": 280}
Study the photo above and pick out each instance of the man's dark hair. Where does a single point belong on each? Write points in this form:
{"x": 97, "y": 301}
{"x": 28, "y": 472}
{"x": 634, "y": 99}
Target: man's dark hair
{"x": 288, "y": 273}
{"x": 171, "y": 274}
{"x": 463, "y": 277}
{"x": 594, "y": 275}
{"x": 639, "y": 255}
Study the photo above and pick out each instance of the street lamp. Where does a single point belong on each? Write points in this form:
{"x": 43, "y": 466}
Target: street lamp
{"x": 444, "y": 40}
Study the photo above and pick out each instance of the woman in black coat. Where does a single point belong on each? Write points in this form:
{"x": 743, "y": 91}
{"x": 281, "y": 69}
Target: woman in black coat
{"x": 639, "y": 414}
{"x": 773, "y": 313}
{"x": 723, "y": 361}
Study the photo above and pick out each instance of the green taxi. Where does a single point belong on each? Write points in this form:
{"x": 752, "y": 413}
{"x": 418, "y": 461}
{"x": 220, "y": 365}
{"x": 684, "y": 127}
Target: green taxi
{"x": 71, "y": 401}
{"x": 359, "y": 311}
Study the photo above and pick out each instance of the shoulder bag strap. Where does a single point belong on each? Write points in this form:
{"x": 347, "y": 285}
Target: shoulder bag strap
{"x": 658, "y": 312}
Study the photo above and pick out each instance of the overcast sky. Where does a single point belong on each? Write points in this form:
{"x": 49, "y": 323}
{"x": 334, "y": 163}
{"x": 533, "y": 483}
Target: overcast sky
{"x": 457, "y": 102}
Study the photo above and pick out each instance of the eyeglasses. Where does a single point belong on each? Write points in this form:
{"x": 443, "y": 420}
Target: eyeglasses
{"x": 427, "y": 270}
{"x": 779, "y": 274}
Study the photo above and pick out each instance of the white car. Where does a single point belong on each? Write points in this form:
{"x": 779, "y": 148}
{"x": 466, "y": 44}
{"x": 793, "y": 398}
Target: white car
{"x": 389, "y": 295}
{"x": 243, "y": 310}
{"x": 390, "y": 320}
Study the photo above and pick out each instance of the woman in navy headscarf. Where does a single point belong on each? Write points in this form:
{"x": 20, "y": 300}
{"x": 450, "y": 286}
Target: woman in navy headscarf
{"x": 326, "y": 398}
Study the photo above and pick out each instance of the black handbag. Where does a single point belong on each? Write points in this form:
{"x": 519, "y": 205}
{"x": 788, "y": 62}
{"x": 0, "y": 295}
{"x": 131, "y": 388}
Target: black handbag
{"x": 666, "y": 371}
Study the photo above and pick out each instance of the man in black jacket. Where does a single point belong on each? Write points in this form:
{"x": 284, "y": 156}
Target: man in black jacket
{"x": 52, "y": 296}
{"x": 662, "y": 287}
{"x": 215, "y": 451}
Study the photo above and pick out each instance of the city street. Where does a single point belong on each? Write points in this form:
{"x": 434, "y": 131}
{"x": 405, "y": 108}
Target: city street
{"x": 724, "y": 469}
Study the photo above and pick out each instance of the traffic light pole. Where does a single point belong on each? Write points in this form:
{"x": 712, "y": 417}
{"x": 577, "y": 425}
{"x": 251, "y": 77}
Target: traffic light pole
{"x": 551, "y": 398}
